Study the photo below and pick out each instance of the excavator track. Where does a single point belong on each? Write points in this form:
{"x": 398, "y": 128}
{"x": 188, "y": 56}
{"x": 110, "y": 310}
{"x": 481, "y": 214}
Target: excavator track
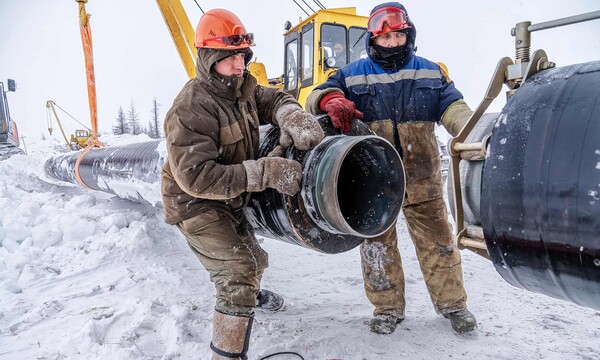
{"x": 7, "y": 151}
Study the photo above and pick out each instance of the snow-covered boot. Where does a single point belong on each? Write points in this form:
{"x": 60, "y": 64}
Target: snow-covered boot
{"x": 384, "y": 323}
{"x": 268, "y": 300}
{"x": 231, "y": 336}
{"x": 462, "y": 321}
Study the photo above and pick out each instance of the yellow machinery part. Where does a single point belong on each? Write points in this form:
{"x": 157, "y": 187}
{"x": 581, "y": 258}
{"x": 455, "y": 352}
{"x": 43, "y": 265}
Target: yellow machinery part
{"x": 181, "y": 31}
{"x": 445, "y": 71}
{"x": 50, "y": 105}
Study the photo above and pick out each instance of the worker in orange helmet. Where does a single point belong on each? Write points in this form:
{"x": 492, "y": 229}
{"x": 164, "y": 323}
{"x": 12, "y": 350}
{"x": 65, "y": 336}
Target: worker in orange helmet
{"x": 401, "y": 97}
{"x": 212, "y": 139}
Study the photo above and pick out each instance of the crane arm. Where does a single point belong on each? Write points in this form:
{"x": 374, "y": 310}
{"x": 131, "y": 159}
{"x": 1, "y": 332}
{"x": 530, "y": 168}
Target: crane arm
{"x": 86, "y": 39}
{"x": 181, "y": 31}
{"x": 50, "y": 107}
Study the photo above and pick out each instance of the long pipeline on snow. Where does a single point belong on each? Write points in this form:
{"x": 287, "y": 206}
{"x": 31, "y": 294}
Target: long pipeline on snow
{"x": 352, "y": 188}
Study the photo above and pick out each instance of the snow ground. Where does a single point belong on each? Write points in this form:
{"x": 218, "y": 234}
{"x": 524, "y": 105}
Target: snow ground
{"x": 85, "y": 275}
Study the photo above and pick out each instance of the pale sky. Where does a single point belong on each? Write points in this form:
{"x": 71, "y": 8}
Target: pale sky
{"x": 135, "y": 58}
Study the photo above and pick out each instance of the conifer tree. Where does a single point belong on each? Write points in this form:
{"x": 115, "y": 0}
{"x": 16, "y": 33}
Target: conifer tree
{"x": 155, "y": 123}
{"x": 121, "y": 127}
{"x": 133, "y": 119}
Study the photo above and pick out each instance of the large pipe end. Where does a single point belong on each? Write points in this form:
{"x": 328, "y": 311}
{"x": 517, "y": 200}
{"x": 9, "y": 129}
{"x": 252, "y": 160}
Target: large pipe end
{"x": 354, "y": 185}
{"x": 352, "y": 189}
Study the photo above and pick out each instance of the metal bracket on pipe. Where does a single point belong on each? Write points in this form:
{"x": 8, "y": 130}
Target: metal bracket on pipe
{"x": 525, "y": 67}
{"x": 472, "y": 238}
{"x": 561, "y": 22}
{"x": 539, "y": 61}
{"x": 472, "y": 151}
{"x": 456, "y": 145}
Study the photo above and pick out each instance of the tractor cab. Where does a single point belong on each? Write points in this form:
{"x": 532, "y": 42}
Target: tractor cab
{"x": 81, "y": 138}
{"x": 318, "y": 46}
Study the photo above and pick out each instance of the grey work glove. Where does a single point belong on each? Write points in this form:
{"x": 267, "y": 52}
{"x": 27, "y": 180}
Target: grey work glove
{"x": 277, "y": 173}
{"x": 298, "y": 127}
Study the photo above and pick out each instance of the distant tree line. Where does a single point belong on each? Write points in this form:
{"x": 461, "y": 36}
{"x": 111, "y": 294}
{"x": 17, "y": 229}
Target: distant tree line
{"x": 129, "y": 123}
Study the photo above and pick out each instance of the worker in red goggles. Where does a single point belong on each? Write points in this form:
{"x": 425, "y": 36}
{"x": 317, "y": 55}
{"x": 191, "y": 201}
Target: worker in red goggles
{"x": 402, "y": 97}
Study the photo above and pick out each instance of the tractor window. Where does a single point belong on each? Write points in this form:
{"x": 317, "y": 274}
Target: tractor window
{"x": 356, "y": 37}
{"x": 291, "y": 65}
{"x": 333, "y": 40}
{"x": 307, "y": 57}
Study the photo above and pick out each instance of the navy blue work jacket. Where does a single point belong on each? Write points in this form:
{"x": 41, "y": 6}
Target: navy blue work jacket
{"x": 417, "y": 91}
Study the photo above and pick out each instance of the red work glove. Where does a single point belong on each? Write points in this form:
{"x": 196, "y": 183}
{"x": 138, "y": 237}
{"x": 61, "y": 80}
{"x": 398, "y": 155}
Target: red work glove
{"x": 340, "y": 110}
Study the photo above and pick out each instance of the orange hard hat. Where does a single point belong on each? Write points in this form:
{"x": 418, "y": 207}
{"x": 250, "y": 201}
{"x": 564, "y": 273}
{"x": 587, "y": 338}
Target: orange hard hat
{"x": 222, "y": 29}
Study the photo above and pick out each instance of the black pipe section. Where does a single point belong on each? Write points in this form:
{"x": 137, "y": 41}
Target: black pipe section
{"x": 541, "y": 183}
{"x": 130, "y": 172}
{"x": 353, "y": 186}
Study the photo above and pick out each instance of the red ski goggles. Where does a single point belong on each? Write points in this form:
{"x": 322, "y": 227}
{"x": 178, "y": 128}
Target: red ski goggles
{"x": 233, "y": 40}
{"x": 394, "y": 18}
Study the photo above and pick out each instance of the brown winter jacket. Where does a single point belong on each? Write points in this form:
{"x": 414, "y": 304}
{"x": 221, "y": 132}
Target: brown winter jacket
{"x": 211, "y": 128}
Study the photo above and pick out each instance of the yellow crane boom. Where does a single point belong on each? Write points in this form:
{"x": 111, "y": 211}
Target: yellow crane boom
{"x": 77, "y": 141}
{"x": 181, "y": 31}
{"x": 50, "y": 107}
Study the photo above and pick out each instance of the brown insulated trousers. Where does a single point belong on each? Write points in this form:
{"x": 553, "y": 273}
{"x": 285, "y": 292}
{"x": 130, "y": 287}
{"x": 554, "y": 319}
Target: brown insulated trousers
{"x": 438, "y": 257}
{"x": 228, "y": 250}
